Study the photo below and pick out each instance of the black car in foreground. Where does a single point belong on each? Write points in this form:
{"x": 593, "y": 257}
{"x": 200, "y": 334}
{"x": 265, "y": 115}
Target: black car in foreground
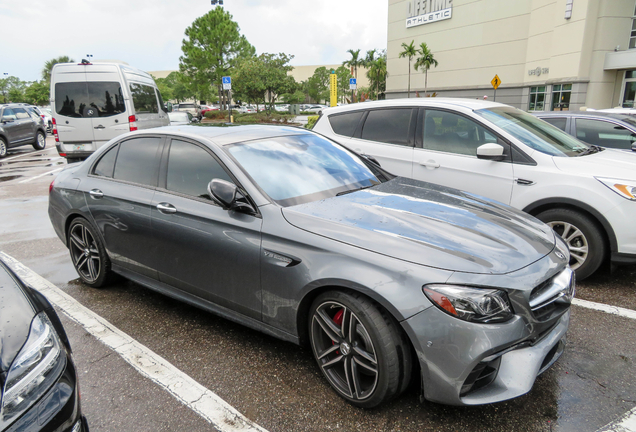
{"x": 37, "y": 375}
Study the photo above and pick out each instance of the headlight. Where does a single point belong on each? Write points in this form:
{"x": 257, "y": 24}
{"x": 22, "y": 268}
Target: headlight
{"x": 471, "y": 304}
{"x": 625, "y": 188}
{"x": 34, "y": 370}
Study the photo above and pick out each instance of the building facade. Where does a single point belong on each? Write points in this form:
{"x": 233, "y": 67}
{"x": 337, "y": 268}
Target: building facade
{"x": 548, "y": 54}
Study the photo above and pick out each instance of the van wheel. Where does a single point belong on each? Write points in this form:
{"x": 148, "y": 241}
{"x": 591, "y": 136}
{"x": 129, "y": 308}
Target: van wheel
{"x": 3, "y": 148}
{"x": 40, "y": 141}
{"x": 583, "y": 237}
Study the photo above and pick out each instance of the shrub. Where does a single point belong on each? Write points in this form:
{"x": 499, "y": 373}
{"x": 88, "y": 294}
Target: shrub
{"x": 216, "y": 115}
{"x": 311, "y": 122}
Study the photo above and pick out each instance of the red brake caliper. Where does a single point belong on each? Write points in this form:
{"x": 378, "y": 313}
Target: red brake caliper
{"x": 337, "y": 318}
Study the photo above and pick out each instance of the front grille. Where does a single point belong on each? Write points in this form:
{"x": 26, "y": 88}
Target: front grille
{"x": 481, "y": 375}
{"x": 554, "y": 294}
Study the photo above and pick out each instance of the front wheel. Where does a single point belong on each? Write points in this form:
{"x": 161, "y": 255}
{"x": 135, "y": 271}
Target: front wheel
{"x": 583, "y": 237}
{"x": 88, "y": 254}
{"x": 40, "y": 141}
{"x": 359, "y": 348}
{"x": 3, "y": 148}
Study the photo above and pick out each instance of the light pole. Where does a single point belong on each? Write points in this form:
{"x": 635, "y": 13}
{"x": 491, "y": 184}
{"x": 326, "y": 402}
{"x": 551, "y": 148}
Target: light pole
{"x": 4, "y": 94}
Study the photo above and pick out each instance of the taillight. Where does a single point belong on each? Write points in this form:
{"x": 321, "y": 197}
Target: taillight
{"x": 57, "y": 138}
{"x": 132, "y": 120}
{"x": 51, "y": 186}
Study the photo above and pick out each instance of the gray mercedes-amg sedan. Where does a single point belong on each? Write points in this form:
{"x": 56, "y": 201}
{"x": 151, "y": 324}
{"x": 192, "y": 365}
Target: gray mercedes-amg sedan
{"x": 287, "y": 232}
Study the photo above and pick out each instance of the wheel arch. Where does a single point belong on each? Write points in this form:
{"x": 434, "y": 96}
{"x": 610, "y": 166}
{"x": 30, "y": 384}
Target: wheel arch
{"x": 571, "y": 204}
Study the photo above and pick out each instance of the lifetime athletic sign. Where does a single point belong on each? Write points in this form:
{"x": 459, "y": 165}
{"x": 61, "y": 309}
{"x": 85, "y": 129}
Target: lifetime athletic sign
{"x": 428, "y": 11}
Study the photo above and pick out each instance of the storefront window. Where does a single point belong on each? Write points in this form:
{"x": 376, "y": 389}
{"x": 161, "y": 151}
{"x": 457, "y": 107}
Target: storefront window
{"x": 537, "y": 98}
{"x": 629, "y": 94}
{"x": 561, "y": 97}
{"x": 632, "y": 38}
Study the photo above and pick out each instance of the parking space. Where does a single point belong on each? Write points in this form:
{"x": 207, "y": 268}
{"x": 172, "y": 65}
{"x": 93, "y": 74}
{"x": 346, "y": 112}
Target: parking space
{"x": 277, "y": 384}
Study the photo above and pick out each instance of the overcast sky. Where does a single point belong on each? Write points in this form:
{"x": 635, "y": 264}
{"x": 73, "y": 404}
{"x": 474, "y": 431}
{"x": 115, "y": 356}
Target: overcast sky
{"x": 147, "y": 34}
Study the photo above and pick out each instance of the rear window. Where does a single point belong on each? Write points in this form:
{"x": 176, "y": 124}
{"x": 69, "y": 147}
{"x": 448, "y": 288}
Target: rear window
{"x": 89, "y": 99}
{"x": 144, "y": 99}
{"x": 345, "y": 124}
{"x": 558, "y": 122}
{"x": 137, "y": 161}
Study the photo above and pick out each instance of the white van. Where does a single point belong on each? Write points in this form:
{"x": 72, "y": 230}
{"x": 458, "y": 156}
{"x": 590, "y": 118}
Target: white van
{"x": 95, "y": 102}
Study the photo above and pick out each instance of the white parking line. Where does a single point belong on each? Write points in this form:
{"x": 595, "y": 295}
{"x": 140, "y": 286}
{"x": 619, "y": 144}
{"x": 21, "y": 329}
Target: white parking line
{"x": 627, "y": 423}
{"x": 42, "y": 175}
{"x": 614, "y": 310}
{"x": 204, "y": 402}
{"x": 26, "y": 154}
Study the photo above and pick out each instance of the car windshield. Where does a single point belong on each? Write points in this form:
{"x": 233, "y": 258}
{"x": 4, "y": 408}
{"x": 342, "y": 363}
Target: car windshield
{"x": 186, "y": 105}
{"x": 629, "y": 120}
{"x": 302, "y": 168}
{"x": 533, "y": 132}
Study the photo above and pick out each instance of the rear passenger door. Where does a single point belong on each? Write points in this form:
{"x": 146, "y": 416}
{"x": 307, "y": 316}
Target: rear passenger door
{"x": 385, "y": 133}
{"x": 23, "y": 125}
{"x": 446, "y": 154}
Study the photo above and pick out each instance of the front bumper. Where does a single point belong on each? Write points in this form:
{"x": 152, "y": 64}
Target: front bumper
{"x": 58, "y": 410}
{"x": 449, "y": 350}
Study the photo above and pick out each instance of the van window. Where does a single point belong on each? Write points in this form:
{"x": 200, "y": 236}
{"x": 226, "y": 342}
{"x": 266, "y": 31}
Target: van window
{"x": 89, "y": 99}
{"x": 144, "y": 99}
{"x": 162, "y": 105}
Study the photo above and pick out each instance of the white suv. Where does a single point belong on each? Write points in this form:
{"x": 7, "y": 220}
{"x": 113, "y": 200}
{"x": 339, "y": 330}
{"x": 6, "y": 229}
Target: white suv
{"x": 587, "y": 194}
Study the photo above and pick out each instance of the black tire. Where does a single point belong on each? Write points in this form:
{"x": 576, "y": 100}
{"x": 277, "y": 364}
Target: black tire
{"x": 3, "y": 148}
{"x": 583, "y": 237}
{"x": 88, "y": 254}
{"x": 40, "y": 141}
{"x": 368, "y": 366}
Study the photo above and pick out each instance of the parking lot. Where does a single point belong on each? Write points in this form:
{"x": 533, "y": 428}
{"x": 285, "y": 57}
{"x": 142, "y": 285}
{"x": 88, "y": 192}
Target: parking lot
{"x": 276, "y": 385}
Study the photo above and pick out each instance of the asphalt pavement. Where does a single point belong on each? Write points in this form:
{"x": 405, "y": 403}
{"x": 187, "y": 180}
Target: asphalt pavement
{"x": 276, "y": 384}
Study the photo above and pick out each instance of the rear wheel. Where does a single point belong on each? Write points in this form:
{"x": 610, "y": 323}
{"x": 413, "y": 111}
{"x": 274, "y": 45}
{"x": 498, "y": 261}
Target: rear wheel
{"x": 3, "y": 148}
{"x": 359, "y": 348}
{"x": 583, "y": 237}
{"x": 40, "y": 141}
{"x": 88, "y": 254}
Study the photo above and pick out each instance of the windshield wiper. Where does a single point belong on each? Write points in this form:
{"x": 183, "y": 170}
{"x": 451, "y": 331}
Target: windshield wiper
{"x": 354, "y": 190}
{"x": 591, "y": 150}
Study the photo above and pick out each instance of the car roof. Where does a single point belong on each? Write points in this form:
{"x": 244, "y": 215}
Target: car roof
{"x": 472, "y": 104}
{"x": 583, "y": 114}
{"x": 224, "y": 135}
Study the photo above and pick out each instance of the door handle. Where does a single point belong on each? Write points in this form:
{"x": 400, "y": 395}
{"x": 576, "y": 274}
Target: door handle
{"x": 166, "y": 208}
{"x": 96, "y": 193}
{"x": 100, "y": 127}
{"x": 429, "y": 164}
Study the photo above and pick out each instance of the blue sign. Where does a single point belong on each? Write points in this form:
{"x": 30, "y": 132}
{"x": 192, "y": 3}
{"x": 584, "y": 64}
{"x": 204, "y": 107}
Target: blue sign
{"x": 352, "y": 81}
{"x": 227, "y": 83}
{"x": 227, "y": 80}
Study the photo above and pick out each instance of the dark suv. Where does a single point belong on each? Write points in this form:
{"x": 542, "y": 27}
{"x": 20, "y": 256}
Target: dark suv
{"x": 20, "y": 126}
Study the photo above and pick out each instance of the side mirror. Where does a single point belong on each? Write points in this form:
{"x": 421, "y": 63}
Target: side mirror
{"x": 490, "y": 151}
{"x": 226, "y": 194}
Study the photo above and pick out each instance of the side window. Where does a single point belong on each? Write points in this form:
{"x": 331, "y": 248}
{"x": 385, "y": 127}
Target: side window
{"x": 452, "y": 133}
{"x": 21, "y": 113}
{"x": 162, "y": 106}
{"x": 558, "y": 122}
{"x": 345, "y": 124}
{"x": 144, "y": 99}
{"x": 137, "y": 161}
{"x": 89, "y": 99}
{"x": 106, "y": 165}
{"x": 388, "y": 126}
{"x": 191, "y": 168}
{"x": 604, "y": 133}
{"x": 106, "y": 97}
{"x": 8, "y": 115}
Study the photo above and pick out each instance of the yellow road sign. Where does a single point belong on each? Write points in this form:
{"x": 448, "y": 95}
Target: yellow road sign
{"x": 333, "y": 93}
{"x": 495, "y": 82}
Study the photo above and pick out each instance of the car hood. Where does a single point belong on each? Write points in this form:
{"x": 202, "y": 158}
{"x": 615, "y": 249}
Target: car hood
{"x": 612, "y": 163}
{"x": 429, "y": 225}
{"x": 16, "y": 312}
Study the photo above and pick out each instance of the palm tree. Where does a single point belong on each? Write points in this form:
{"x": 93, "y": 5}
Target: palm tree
{"x": 48, "y": 66}
{"x": 354, "y": 62}
{"x": 369, "y": 59}
{"x": 377, "y": 74}
{"x": 409, "y": 51}
{"x": 426, "y": 60}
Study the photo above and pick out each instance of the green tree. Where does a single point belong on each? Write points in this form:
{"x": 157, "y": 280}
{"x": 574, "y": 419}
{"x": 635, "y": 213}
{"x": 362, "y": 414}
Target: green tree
{"x": 370, "y": 58}
{"x": 37, "y": 93}
{"x": 48, "y": 66}
{"x": 12, "y": 89}
{"x": 425, "y": 60}
{"x": 354, "y": 61}
{"x": 377, "y": 75}
{"x": 318, "y": 85}
{"x": 212, "y": 46}
{"x": 180, "y": 92}
{"x": 409, "y": 51}
{"x": 164, "y": 89}
{"x": 264, "y": 78}
{"x": 343, "y": 81}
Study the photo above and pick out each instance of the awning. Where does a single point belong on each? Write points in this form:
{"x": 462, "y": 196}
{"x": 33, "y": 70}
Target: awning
{"x": 620, "y": 60}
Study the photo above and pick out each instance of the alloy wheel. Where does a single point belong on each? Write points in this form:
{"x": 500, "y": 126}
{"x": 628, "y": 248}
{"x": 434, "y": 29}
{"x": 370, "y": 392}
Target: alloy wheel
{"x": 575, "y": 239}
{"x": 344, "y": 350}
{"x": 3, "y": 148}
{"x": 41, "y": 141}
{"x": 84, "y": 253}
